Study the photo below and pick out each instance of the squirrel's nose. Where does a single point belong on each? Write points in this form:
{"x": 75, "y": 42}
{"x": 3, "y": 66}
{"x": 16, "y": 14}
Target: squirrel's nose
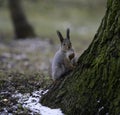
{"x": 69, "y": 47}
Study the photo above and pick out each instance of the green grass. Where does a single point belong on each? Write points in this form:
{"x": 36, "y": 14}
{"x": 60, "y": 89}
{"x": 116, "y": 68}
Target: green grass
{"x": 47, "y": 22}
{"x": 48, "y": 16}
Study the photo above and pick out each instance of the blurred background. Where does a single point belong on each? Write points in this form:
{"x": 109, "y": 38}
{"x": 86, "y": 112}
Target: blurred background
{"x": 28, "y": 39}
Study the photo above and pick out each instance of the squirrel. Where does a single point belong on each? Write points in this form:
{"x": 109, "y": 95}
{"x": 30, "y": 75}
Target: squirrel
{"x": 64, "y": 59}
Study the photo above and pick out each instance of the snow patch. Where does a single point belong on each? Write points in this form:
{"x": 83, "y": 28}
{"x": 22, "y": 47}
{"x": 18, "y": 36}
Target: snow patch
{"x": 31, "y": 102}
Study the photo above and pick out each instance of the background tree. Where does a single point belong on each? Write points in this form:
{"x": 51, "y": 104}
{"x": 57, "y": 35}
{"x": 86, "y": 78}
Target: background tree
{"x": 94, "y": 86}
{"x": 21, "y": 26}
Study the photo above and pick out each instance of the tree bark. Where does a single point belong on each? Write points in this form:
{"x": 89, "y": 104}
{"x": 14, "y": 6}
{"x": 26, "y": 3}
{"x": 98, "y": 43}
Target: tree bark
{"x": 93, "y": 88}
{"x": 22, "y": 28}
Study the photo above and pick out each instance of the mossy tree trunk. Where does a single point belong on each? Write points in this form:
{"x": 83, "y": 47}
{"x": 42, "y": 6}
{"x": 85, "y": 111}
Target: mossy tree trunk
{"x": 94, "y": 86}
{"x": 22, "y": 28}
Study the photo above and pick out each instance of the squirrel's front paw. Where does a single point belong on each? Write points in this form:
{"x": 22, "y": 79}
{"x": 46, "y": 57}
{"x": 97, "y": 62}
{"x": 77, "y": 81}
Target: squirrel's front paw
{"x": 71, "y": 56}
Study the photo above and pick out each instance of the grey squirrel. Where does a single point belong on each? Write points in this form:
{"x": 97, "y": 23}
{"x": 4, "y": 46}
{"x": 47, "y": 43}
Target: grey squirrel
{"x": 64, "y": 59}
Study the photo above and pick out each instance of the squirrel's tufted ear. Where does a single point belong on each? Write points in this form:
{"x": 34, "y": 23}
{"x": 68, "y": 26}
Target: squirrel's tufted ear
{"x": 68, "y": 33}
{"x": 60, "y": 36}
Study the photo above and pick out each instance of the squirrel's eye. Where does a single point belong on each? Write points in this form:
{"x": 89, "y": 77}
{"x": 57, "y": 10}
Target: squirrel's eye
{"x": 64, "y": 44}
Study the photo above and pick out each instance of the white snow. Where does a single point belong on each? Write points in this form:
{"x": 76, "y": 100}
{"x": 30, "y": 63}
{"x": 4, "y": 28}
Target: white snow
{"x": 101, "y": 108}
{"x": 31, "y": 102}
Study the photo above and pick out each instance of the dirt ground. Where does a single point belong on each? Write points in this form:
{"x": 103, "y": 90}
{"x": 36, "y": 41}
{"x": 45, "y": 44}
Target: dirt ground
{"x": 24, "y": 68}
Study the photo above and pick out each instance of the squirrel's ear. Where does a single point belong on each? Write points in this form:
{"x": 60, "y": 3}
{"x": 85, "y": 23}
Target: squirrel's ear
{"x": 60, "y": 36}
{"x": 68, "y": 33}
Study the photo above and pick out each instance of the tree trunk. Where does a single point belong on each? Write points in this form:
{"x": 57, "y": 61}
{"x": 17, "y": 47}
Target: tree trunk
{"x": 21, "y": 26}
{"x": 93, "y": 88}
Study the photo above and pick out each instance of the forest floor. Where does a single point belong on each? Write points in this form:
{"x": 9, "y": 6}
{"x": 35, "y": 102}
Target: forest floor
{"x": 25, "y": 75}
{"x": 24, "y": 69}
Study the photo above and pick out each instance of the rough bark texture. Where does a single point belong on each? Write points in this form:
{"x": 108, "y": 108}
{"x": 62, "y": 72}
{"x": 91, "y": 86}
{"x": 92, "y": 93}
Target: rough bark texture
{"x": 21, "y": 26}
{"x": 94, "y": 86}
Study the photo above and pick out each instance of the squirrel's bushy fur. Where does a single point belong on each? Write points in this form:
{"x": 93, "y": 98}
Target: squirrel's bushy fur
{"x": 63, "y": 60}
